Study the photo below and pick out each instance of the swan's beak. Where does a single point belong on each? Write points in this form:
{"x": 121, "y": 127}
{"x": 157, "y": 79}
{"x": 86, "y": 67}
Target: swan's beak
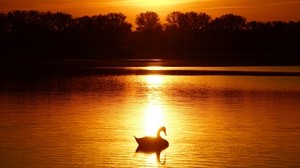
{"x": 165, "y": 132}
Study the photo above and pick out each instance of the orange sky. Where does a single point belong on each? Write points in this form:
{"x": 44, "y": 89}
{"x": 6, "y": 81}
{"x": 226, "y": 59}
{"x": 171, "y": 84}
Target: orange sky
{"x": 260, "y": 10}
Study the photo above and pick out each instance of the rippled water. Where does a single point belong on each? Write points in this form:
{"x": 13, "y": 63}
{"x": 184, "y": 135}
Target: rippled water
{"x": 211, "y": 121}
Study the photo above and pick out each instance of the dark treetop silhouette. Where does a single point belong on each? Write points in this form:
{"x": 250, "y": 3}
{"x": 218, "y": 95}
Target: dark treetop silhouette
{"x": 225, "y": 40}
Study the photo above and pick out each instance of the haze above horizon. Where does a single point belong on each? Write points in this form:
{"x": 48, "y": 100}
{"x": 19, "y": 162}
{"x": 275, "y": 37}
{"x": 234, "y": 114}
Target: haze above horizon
{"x": 264, "y": 10}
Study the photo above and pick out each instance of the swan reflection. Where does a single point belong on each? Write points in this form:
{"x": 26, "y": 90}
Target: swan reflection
{"x": 160, "y": 160}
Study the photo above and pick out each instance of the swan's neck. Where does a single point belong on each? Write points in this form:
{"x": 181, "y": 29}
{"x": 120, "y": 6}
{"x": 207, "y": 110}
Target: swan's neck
{"x": 158, "y": 133}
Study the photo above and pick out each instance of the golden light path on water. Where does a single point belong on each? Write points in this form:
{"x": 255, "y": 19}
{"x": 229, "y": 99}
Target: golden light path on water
{"x": 156, "y": 78}
{"x": 154, "y": 114}
{"x": 154, "y": 111}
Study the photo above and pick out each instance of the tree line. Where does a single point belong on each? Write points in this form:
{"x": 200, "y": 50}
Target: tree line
{"x": 191, "y": 35}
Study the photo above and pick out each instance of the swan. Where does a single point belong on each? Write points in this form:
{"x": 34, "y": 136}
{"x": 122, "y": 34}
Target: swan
{"x": 153, "y": 143}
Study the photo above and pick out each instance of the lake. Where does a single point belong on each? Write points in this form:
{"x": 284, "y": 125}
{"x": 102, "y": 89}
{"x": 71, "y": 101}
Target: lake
{"x": 211, "y": 120}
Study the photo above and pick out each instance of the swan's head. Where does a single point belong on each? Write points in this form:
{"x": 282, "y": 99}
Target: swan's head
{"x": 164, "y": 130}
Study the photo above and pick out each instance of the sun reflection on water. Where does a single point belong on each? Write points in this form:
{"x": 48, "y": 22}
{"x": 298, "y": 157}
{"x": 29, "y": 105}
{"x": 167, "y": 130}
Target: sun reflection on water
{"x": 154, "y": 117}
{"x": 154, "y": 80}
{"x": 154, "y": 68}
{"x": 151, "y": 159}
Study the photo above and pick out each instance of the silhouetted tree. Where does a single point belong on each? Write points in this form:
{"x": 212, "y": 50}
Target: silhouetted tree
{"x": 46, "y": 35}
{"x": 18, "y": 21}
{"x": 193, "y": 22}
{"x": 255, "y": 26}
{"x": 98, "y": 22}
{"x": 148, "y": 21}
{"x": 174, "y": 20}
{"x": 116, "y": 22}
{"x": 58, "y": 22}
{"x": 84, "y": 23}
{"x": 186, "y": 30}
{"x": 201, "y": 21}
{"x": 112, "y": 22}
{"x": 229, "y": 22}
{"x": 3, "y": 24}
{"x": 188, "y": 22}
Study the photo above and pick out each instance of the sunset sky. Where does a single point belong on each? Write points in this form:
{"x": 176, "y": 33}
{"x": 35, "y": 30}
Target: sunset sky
{"x": 262, "y": 10}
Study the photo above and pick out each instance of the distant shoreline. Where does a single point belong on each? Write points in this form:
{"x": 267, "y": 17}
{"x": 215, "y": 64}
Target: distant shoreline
{"x": 127, "y": 67}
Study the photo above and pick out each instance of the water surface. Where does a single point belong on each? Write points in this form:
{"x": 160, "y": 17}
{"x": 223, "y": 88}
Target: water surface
{"x": 211, "y": 121}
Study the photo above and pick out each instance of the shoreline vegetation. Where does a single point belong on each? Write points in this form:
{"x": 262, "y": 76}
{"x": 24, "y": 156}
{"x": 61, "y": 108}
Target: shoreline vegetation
{"x": 31, "y": 38}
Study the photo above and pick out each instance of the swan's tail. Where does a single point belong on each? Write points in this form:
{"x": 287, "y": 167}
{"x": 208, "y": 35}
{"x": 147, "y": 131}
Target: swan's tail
{"x": 136, "y": 139}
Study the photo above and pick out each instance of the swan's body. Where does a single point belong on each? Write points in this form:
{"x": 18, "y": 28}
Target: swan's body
{"x": 153, "y": 143}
